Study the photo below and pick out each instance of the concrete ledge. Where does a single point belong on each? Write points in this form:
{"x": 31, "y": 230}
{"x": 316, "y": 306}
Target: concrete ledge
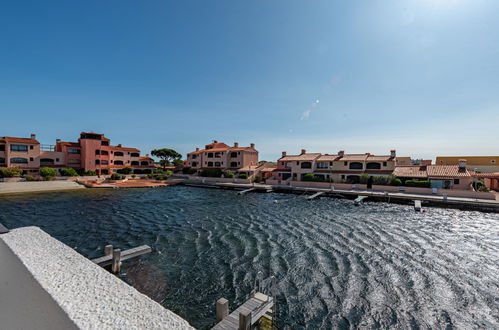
{"x": 38, "y": 186}
{"x": 74, "y": 290}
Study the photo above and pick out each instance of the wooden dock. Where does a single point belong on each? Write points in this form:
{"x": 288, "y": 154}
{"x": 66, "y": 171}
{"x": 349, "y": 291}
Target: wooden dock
{"x": 245, "y": 316}
{"x": 114, "y": 257}
{"x": 314, "y": 196}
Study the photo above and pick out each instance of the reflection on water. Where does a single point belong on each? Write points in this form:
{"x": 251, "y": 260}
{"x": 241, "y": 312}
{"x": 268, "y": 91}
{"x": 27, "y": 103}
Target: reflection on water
{"x": 337, "y": 266}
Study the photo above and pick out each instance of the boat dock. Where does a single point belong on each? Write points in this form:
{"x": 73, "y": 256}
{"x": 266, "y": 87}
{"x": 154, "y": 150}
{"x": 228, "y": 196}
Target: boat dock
{"x": 245, "y": 316}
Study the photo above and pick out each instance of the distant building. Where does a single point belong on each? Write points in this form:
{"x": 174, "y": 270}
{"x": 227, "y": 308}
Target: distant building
{"x": 92, "y": 152}
{"x": 440, "y": 176}
{"x": 218, "y": 155}
{"x": 485, "y": 164}
{"x": 337, "y": 168}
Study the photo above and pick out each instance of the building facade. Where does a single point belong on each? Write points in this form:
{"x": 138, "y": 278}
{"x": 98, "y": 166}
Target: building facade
{"x": 218, "y": 155}
{"x": 336, "y": 168}
{"x": 484, "y": 164}
{"x": 92, "y": 152}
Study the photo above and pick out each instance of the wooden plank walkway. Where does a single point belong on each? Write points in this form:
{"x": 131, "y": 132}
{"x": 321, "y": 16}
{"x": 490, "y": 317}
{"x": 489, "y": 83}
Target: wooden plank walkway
{"x": 127, "y": 254}
{"x": 258, "y": 305}
{"x": 314, "y": 196}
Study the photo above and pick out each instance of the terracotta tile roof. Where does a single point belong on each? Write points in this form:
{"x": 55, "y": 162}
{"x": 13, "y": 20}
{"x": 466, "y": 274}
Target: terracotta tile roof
{"x": 354, "y": 157}
{"x": 145, "y": 158}
{"x": 410, "y": 172}
{"x": 302, "y": 157}
{"x": 327, "y": 158}
{"x": 446, "y": 171}
{"x": 248, "y": 168}
{"x": 269, "y": 169}
{"x": 215, "y": 149}
{"x": 123, "y": 148}
{"x": 69, "y": 144}
{"x": 379, "y": 158}
{"x": 216, "y": 145}
{"x": 242, "y": 149}
{"x": 19, "y": 140}
{"x": 486, "y": 175}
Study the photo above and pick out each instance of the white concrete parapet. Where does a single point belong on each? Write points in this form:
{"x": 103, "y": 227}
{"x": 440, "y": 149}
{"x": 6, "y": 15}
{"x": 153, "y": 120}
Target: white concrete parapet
{"x": 45, "y": 284}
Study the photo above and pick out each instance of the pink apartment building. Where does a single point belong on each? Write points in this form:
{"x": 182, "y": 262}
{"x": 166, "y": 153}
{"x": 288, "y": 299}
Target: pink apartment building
{"x": 337, "y": 168}
{"x": 221, "y": 156}
{"x": 92, "y": 152}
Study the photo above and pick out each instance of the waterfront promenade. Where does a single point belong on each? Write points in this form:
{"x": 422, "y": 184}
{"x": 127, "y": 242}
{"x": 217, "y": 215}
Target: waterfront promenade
{"x": 38, "y": 186}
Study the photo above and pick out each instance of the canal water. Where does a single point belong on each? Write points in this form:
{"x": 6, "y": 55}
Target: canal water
{"x": 336, "y": 265}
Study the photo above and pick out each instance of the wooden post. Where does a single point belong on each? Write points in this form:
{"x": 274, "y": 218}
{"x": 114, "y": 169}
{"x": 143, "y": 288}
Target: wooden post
{"x": 222, "y": 309}
{"x": 245, "y": 320}
{"x": 108, "y": 250}
{"x": 116, "y": 261}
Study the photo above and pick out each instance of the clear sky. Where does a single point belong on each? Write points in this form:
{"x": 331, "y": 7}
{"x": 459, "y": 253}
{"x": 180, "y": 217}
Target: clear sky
{"x": 420, "y": 76}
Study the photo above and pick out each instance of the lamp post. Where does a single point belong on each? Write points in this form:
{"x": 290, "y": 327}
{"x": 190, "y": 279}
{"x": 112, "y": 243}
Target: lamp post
{"x": 476, "y": 185}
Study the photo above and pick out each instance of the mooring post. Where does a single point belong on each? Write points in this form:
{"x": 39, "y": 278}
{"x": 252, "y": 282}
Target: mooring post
{"x": 108, "y": 250}
{"x": 245, "y": 320}
{"x": 222, "y": 309}
{"x": 116, "y": 261}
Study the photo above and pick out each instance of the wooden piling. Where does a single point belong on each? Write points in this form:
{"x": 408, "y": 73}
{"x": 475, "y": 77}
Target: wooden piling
{"x": 245, "y": 320}
{"x": 108, "y": 250}
{"x": 222, "y": 309}
{"x": 116, "y": 265}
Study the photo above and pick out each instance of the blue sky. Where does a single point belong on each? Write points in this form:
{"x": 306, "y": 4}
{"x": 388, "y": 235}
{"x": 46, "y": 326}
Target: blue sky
{"x": 420, "y": 76}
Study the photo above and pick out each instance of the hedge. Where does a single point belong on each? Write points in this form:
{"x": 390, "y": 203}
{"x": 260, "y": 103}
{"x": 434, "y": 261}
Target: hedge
{"x": 211, "y": 173}
{"x": 48, "y": 172}
{"x": 68, "y": 172}
{"x": 416, "y": 183}
{"x": 9, "y": 172}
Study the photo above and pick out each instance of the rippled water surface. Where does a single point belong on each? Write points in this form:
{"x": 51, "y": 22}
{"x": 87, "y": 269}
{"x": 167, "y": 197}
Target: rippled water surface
{"x": 337, "y": 266}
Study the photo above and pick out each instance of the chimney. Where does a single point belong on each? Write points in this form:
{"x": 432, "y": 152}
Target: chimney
{"x": 33, "y": 136}
{"x": 284, "y": 154}
{"x": 252, "y": 145}
{"x": 341, "y": 153}
{"x": 303, "y": 151}
{"x": 462, "y": 164}
{"x": 197, "y": 149}
{"x": 393, "y": 153}
{"x": 215, "y": 141}
{"x": 236, "y": 145}
{"x": 57, "y": 141}
{"x": 147, "y": 155}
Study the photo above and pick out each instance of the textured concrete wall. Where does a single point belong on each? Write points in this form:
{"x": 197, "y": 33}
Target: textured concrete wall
{"x": 88, "y": 295}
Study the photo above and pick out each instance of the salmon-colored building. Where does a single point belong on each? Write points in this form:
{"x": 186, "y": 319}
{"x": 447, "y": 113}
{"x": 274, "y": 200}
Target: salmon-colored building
{"x": 92, "y": 152}
{"x": 219, "y": 155}
{"x": 336, "y": 168}
{"x": 484, "y": 164}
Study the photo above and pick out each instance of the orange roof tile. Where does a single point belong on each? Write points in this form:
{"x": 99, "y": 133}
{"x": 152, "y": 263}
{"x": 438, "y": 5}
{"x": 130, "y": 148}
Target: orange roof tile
{"x": 410, "y": 172}
{"x": 379, "y": 158}
{"x": 446, "y": 171}
{"x": 327, "y": 158}
{"x": 123, "y": 148}
{"x": 302, "y": 157}
{"x": 19, "y": 140}
{"x": 354, "y": 157}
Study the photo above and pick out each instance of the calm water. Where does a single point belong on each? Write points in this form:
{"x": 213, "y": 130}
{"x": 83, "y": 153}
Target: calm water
{"x": 337, "y": 266}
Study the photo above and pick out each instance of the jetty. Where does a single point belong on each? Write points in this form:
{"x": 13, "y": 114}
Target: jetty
{"x": 114, "y": 257}
{"x": 245, "y": 316}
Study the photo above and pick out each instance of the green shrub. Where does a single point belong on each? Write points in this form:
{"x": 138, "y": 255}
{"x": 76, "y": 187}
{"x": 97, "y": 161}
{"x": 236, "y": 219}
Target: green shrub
{"x": 48, "y": 173}
{"x": 229, "y": 174}
{"x": 68, "y": 172}
{"x": 211, "y": 173}
{"x": 313, "y": 178}
{"x": 396, "y": 182}
{"x": 9, "y": 172}
{"x": 90, "y": 173}
{"x": 242, "y": 176}
{"x": 126, "y": 170}
{"x": 188, "y": 170}
{"x": 29, "y": 178}
{"x": 417, "y": 183}
{"x": 257, "y": 179}
{"x": 117, "y": 176}
{"x": 363, "y": 178}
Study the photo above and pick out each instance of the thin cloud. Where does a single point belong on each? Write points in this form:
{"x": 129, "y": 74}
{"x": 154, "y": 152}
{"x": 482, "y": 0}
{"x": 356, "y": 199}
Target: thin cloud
{"x": 305, "y": 115}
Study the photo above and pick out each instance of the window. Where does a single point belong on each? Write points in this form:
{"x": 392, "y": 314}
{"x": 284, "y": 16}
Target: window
{"x": 2, "y": 160}
{"x": 288, "y": 164}
{"x": 118, "y": 154}
{"x": 19, "y": 160}
{"x": 97, "y": 151}
{"x": 2, "y": 147}
{"x": 384, "y": 164}
{"x": 194, "y": 156}
{"x": 356, "y": 166}
{"x": 210, "y": 155}
{"x": 233, "y": 164}
{"x": 104, "y": 162}
{"x": 73, "y": 161}
{"x": 74, "y": 151}
{"x": 217, "y": 154}
{"x": 104, "y": 153}
{"x": 135, "y": 163}
{"x": 19, "y": 147}
{"x": 346, "y": 164}
{"x": 134, "y": 154}
{"x": 217, "y": 164}
{"x": 118, "y": 162}
{"x": 31, "y": 147}
{"x": 373, "y": 166}
{"x": 322, "y": 165}
{"x": 456, "y": 181}
{"x": 30, "y": 159}
{"x": 144, "y": 163}
{"x": 306, "y": 165}
{"x": 97, "y": 162}
{"x": 233, "y": 154}
{"x": 105, "y": 143}
{"x": 90, "y": 136}
{"x": 46, "y": 161}
{"x": 210, "y": 164}
{"x": 194, "y": 164}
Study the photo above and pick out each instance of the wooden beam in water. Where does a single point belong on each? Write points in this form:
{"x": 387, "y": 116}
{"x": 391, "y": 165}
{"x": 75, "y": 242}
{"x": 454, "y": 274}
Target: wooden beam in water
{"x": 314, "y": 196}
{"x": 253, "y": 309}
{"x": 125, "y": 255}
{"x": 417, "y": 205}
{"x": 246, "y": 191}
{"x": 359, "y": 200}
